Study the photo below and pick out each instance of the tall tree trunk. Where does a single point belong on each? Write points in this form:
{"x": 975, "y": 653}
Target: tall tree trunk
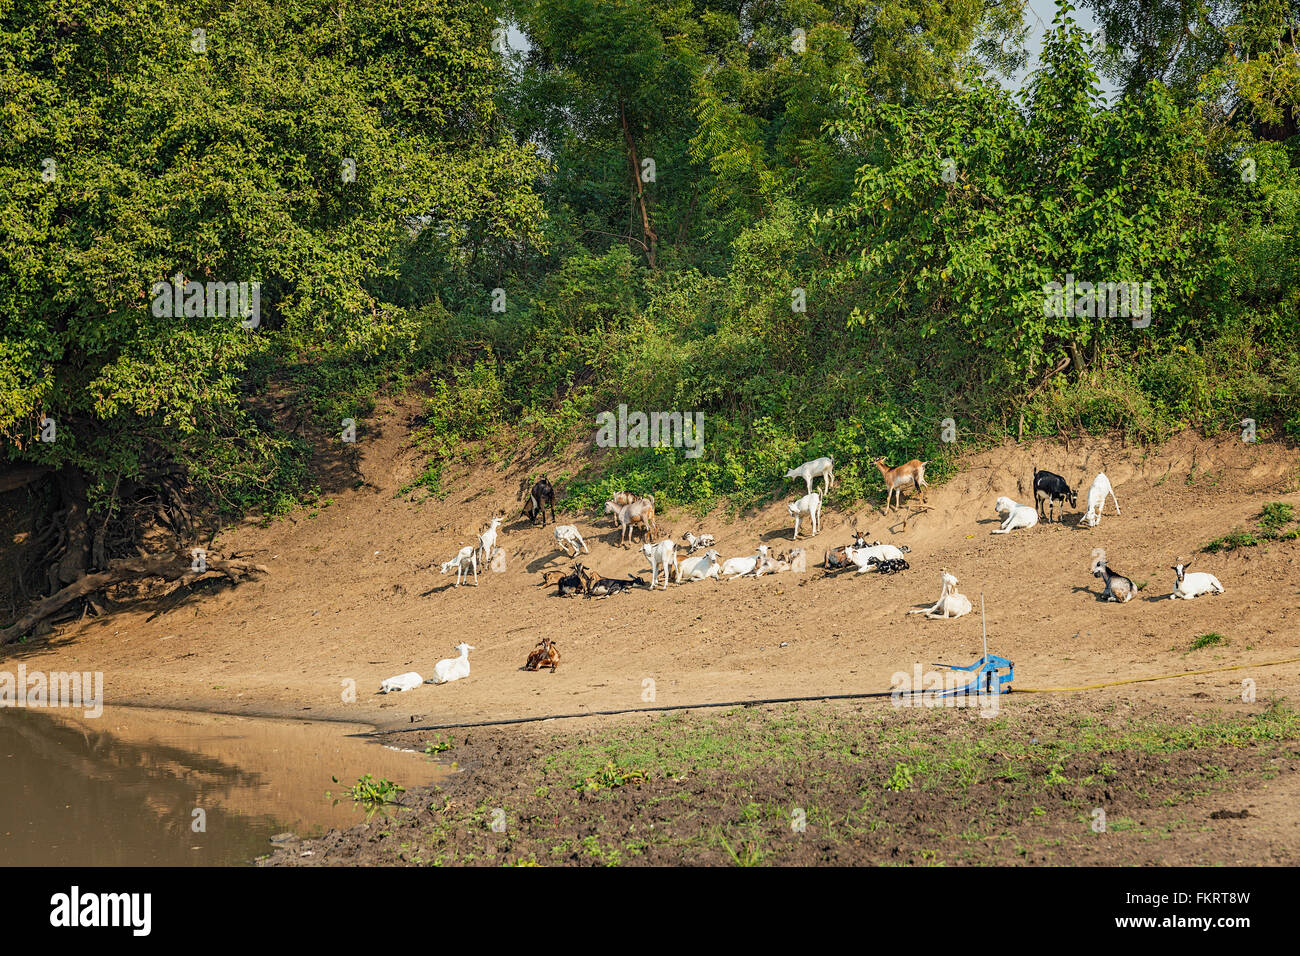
{"x": 651, "y": 237}
{"x": 75, "y": 561}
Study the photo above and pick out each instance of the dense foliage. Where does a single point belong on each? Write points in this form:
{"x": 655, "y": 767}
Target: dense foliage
{"x": 826, "y": 227}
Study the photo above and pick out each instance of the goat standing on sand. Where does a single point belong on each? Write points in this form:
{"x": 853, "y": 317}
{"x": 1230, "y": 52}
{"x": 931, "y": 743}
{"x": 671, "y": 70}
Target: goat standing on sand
{"x": 488, "y": 540}
{"x": 467, "y": 557}
{"x": 566, "y": 536}
{"x": 634, "y": 514}
{"x": 538, "y": 499}
{"x": 662, "y": 555}
{"x": 1052, "y": 488}
{"x": 951, "y": 603}
{"x": 910, "y": 475}
{"x": 810, "y": 507}
{"x": 817, "y": 468}
{"x": 1097, "y": 500}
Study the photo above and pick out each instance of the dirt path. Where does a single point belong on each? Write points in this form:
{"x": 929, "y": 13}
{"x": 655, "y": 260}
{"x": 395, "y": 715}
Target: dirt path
{"x": 355, "y": 595}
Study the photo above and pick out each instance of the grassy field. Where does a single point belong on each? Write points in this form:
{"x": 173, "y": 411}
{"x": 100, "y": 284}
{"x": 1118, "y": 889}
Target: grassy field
{"x": 830, "y": 784}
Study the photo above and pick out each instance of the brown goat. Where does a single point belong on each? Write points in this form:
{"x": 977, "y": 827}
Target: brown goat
{"x": 896, "y": 479}
{"x": 546, "y": 654}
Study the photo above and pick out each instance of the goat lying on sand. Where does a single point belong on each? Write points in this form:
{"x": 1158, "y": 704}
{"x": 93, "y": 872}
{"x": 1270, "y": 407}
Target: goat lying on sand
{"x": 545, "y": 654}
{"x": 951, "y": 603}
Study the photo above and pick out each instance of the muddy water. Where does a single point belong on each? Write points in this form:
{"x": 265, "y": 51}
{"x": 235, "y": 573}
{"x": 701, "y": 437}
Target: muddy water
{"x": 121, "y": 789}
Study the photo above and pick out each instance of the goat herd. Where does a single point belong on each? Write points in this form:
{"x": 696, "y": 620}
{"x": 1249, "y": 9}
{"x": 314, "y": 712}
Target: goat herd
{"x": 634, "y": 515}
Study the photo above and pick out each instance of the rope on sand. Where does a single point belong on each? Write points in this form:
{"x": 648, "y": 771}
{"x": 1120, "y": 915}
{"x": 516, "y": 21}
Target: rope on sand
{"x": 795, "y": 700}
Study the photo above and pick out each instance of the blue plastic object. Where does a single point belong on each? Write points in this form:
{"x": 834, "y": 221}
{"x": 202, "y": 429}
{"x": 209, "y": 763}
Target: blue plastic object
{"x": 988, "y": 678}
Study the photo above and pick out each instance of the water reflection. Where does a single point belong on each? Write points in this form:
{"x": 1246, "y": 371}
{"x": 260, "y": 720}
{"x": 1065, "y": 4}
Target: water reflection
{"x": 122, "y": 789}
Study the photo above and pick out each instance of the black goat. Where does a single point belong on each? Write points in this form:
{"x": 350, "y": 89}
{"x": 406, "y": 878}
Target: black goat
{"x": 570, "y": 585}
{"x": 1050, "y": 487}
{"x": 541, "y": 496}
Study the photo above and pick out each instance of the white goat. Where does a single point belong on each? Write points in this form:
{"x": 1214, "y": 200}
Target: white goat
{"x": 867, "y": 558}
{"x": 739, "y": 567}
{"x": 566, "y": 536}
{"x": 1097, "y": 499}
{"x": 699, "y": 568}
{"x": 810, "y": 507}
{"x": 453, "y": 668}
{"x": 662, "y": 555}
{"x": 1195, "y": 584}
{"x": 488, "y": 540}
{"x": 951, "y": 603}
{"x": 693, "y": 542}
{"x": 817, "y": 468}
{"x": 466, "y": 557}
{"x": 1017, "y": 516}
{"x": 407, "y": 681}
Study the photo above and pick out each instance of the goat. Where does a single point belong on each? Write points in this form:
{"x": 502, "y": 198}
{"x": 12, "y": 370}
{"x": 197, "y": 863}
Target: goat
{"x": 810, "y": 470}
{"x": 867, "y": 558}
{"x": 837, "y": 559}
{"x": 566, "y": 535}
{"x": 626, "y": 498}
{"x": 597, "y": 585}
{"x": 809, "y": 506}
{"x": 1017, "y": 515}
{"x": 662, "y": 555}
{"x": 407, "y": 681}
{"x": 545, "y": 654}
{"x": 570, "y": 585}
{"x": 951, "y": 603}
{"x": 693, "y": 543}
{"x": 607, "y": 586}
{"x": 1118, "y": 587}
{"x": 453, "y": 668}
{"x": 739, "y": 567}
{"x": 488, "y": 539}
{"x": 891, "y": 565}
{"x": 900, "y": 477}
{"x": 1051, "y": 487}
{"x": 699, "y": 568}
{"x": 539, "y": 498}
{"x": 1101, "y": 487}
{"x": 639, "y": 513}
{"x": 798, "y": 561}
{"x": 1195, "y": 584}
{"x": 551, "y": 577}
{"x": 467, "y": 555}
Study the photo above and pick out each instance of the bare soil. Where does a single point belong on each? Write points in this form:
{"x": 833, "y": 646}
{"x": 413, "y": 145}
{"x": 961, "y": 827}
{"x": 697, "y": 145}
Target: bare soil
{"x": 354, "y": 596}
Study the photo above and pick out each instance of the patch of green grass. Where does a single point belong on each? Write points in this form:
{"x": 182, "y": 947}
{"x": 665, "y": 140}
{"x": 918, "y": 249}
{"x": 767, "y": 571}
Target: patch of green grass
{"x": 1271, "y": 525}
{"x": 1212, "y": 639}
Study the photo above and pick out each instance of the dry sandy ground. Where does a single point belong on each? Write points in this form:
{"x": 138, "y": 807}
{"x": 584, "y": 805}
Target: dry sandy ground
{"x": 354, "y": 594}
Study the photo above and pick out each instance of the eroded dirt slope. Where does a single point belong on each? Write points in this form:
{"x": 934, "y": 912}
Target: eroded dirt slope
{"x": 355, "y": 594}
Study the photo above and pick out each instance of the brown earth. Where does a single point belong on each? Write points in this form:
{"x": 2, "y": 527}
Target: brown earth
{"x": 354, "y": 594}
{"x": 1106, "y": 780}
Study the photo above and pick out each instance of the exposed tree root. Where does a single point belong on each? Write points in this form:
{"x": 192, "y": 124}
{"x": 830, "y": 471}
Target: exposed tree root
{"x": 177, "y": 566}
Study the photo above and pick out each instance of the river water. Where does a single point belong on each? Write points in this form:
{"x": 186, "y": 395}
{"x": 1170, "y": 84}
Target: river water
{"x": 122, "y": 789}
